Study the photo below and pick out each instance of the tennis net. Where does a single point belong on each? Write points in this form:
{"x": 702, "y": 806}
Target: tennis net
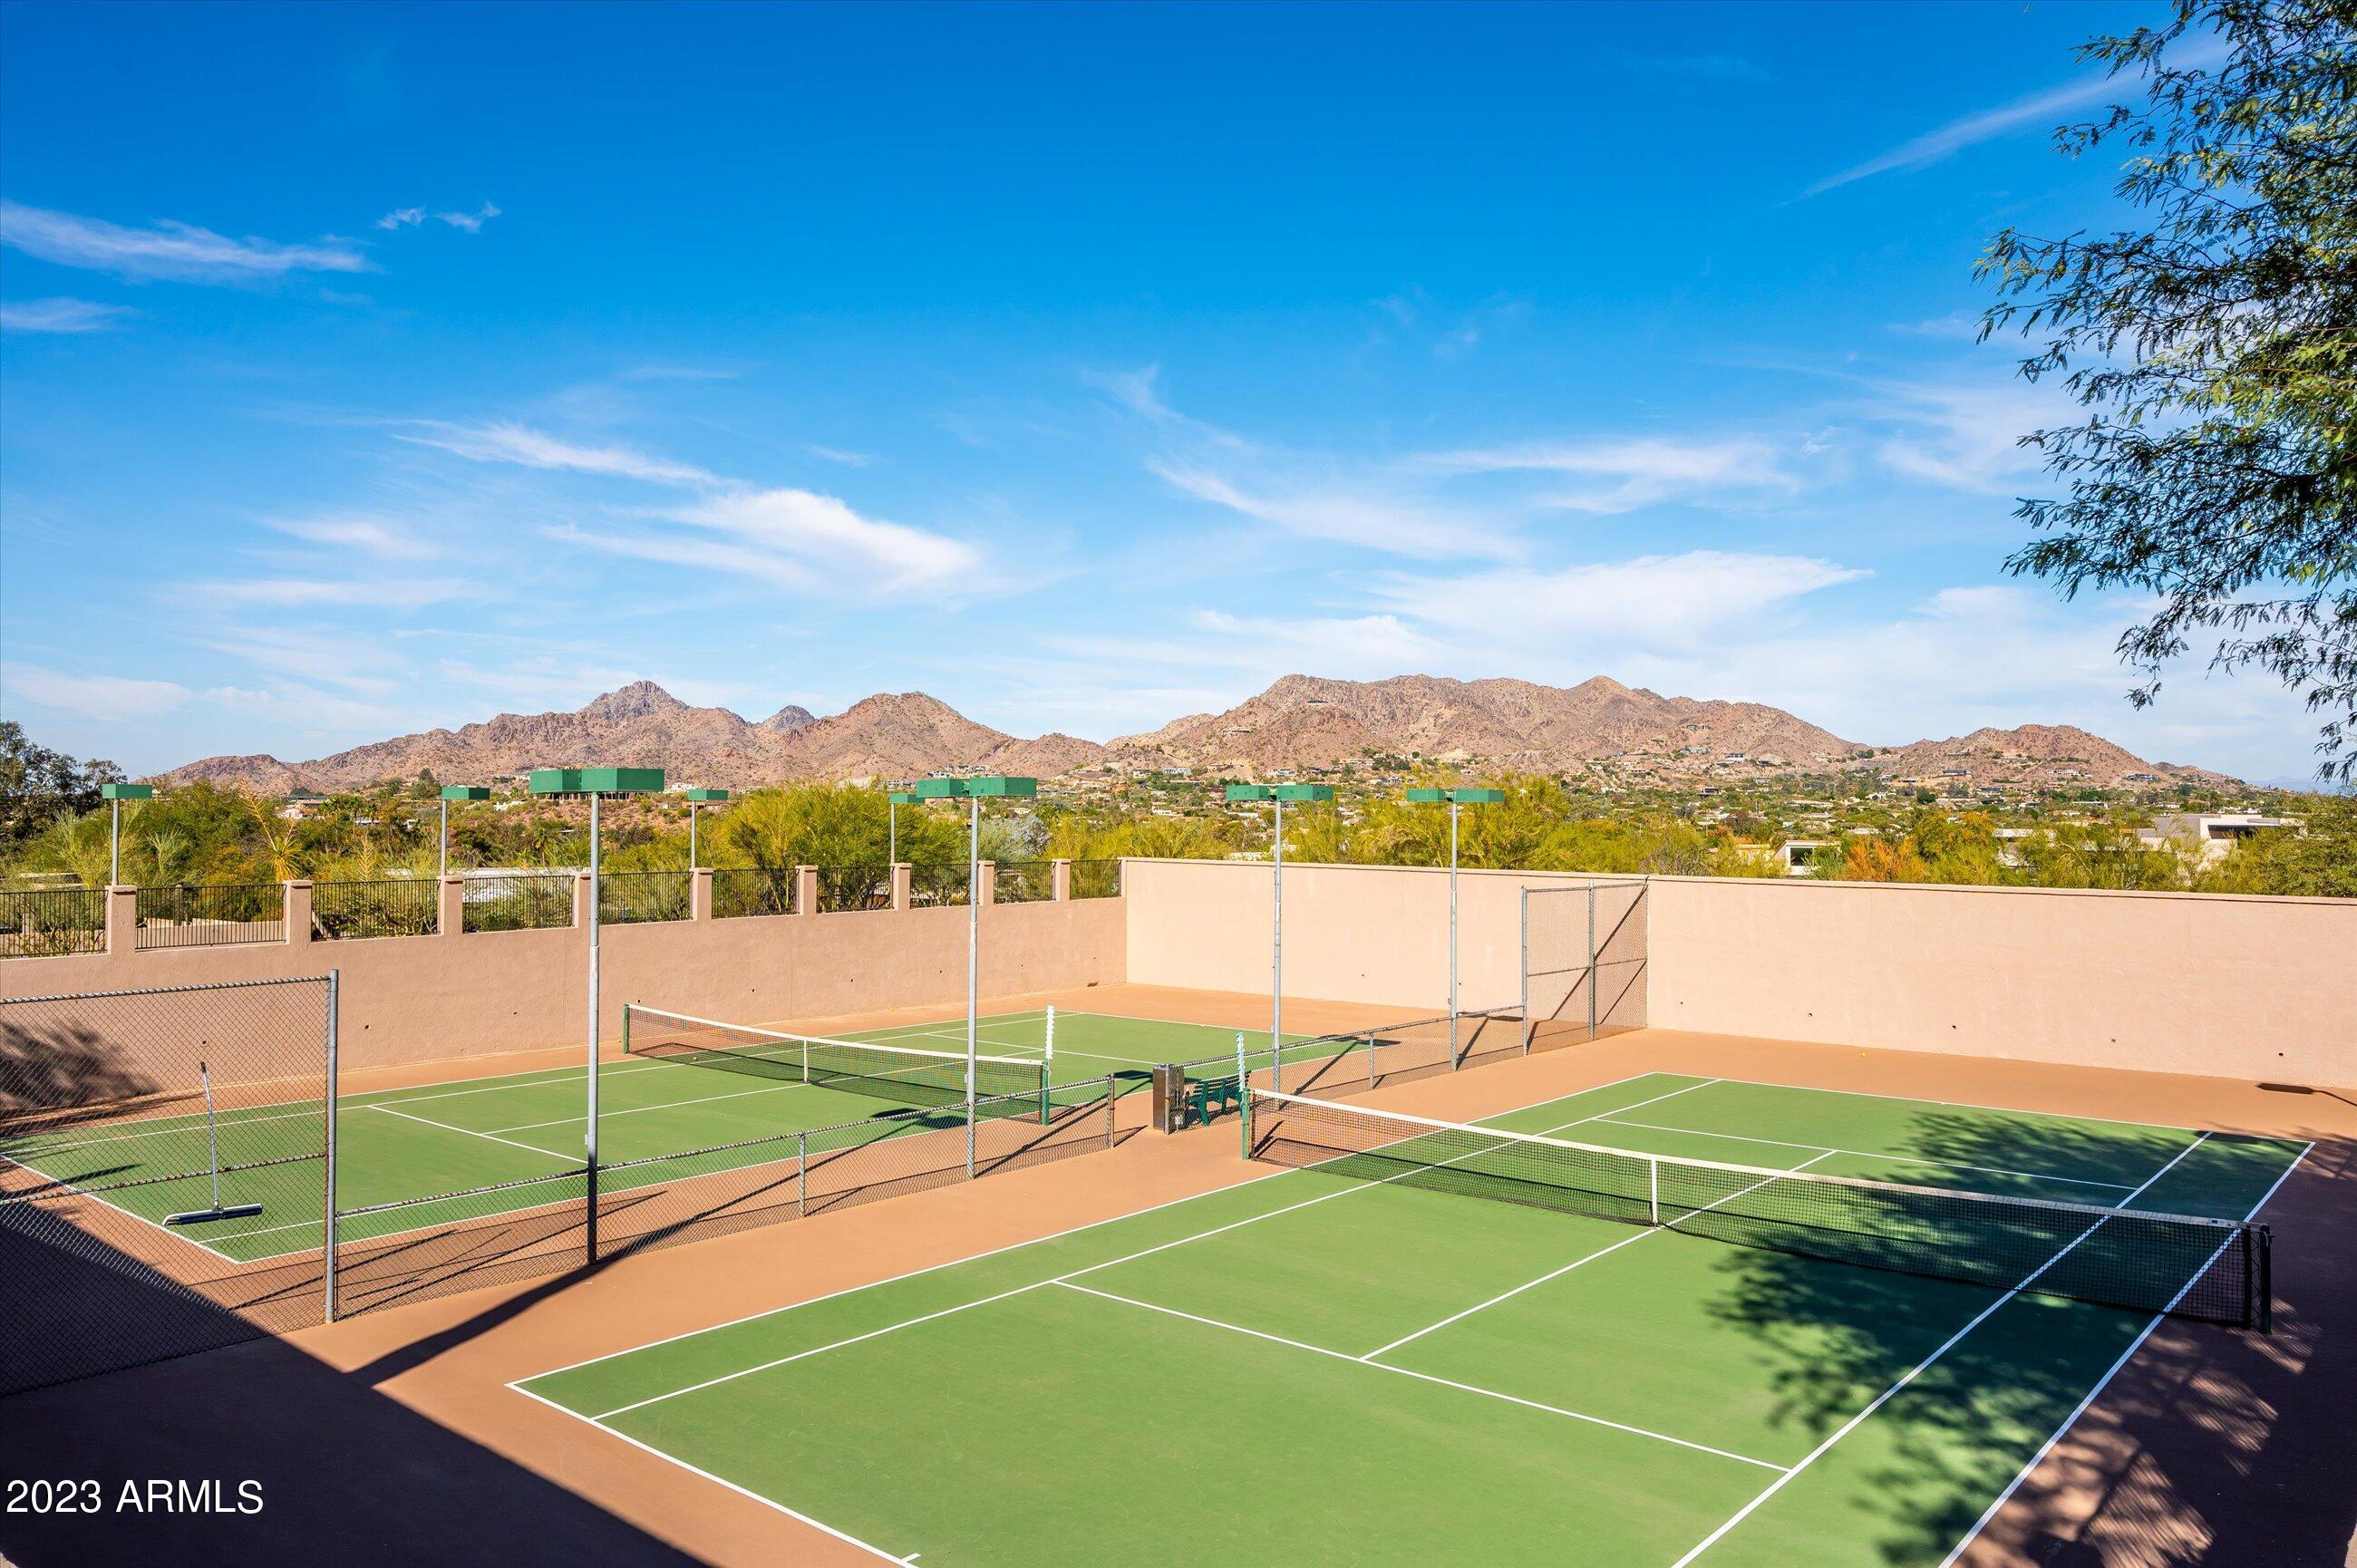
{"x": 900, "y": 1074}
{"x": 2212, "y": 1270}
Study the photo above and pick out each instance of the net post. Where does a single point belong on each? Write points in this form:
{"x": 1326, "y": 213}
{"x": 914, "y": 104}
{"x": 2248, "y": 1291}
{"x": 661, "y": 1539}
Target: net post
{"x": 1109, "y": 1085}
{"x": 1244, "y": 1094}
{"x": 2263, "y": 1243}
{"x": 1653, "y": 1191}
{"x": 328, "y": 1237}
{"x": 802, "y": 1174}
{"x": 1370, "y": 1059}
{"x": 626, "y": 1008}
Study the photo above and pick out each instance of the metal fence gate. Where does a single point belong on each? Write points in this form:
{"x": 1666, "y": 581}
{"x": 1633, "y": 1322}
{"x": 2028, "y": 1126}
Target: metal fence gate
{"x": 1585, "y": 961}
{"x": 132, "y": 1125}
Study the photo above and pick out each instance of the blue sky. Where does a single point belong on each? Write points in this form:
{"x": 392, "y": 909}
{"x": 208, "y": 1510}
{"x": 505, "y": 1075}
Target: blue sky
{"x": 369, "y": 368}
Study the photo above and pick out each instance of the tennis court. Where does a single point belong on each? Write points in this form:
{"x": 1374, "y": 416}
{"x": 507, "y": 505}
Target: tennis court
{"x": 396, "y": 1147}
{"x": 1359, "y": 1360}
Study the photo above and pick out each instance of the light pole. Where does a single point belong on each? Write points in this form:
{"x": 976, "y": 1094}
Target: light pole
{"x": 893, "y": 801}
{"x": 1277, "y": 795}
{"x": 597, "y": 783}
{"x": 974, "y": 791}
{"x": 114, "y": 795}
{"x": 454, "y": 792}
{"x": 1456, "y": 798}
{"x": 697, "y": 799}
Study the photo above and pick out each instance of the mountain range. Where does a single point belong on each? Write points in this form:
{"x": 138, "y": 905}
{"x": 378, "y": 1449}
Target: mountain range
{"x": 1299, "y": 724}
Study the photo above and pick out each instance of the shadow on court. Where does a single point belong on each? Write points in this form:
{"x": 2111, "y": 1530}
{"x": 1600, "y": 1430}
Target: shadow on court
{"x": 348, "y": 1477}
{"x": 2215, "y": 1448}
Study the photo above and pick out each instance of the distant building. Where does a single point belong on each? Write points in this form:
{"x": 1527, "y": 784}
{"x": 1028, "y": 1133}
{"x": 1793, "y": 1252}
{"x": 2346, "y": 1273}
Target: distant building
{"x": 1800, "y": 855}
{"x": 2211, "y": 834}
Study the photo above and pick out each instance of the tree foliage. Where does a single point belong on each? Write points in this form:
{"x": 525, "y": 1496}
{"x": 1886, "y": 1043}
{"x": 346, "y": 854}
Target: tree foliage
{"x": 39, "y": 785}
{"x": 2215, "y": 352}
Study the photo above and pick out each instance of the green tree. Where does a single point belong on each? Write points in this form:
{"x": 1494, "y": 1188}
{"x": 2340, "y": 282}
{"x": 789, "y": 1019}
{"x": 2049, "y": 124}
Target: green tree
{"x": 39, "y": 785}
{"x": 2216, "y": 352}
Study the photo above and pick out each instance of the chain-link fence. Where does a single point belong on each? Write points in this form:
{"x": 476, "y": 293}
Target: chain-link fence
{"x": 164, "y": 1172}
{"x": 1584, "y": 960}
{"x": 415, "y": 1249}
{"x": 1351, "y": 1061}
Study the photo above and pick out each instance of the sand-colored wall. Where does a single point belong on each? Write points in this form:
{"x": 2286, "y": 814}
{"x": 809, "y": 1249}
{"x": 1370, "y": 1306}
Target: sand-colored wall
{"x": 2235, "y": 987}
{"x": 408, "y": 999}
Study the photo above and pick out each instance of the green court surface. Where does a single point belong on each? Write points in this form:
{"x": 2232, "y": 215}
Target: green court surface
{"x": 417, "y": 1143}
{"x": 1310, "y": 1368}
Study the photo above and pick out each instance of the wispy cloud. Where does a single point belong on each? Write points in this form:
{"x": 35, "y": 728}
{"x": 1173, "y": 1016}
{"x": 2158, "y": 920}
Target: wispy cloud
{"x": 93, "y": 696}
{"x": 381, "y": 593}
{"x": 340, "y": 658}
{"x": 1640, "y": 472}
{"x": 472, "y": 223}
{"x": 1965, "y": 436}
{"x": 1342, "y": 513}
{"x": 178, "y": 252}
{"x": 800, "y": 541}
{"x": 1310, "y": 496}
{"x": 838, "y": 454}
{"x": 402, "y": 218}
{"x": 60, "y": 315}
{"x": 509, "y": 443}
{"x": 2039, "y": 109}
{"x": 1652, "y": 601}
{"x": 391, "y": 539}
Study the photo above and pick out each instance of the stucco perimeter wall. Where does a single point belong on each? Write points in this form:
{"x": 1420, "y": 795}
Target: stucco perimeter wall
{"x": 408, "y": 999}
{"x": 2232, "y": 987}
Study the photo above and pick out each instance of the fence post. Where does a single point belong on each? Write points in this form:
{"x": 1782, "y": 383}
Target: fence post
{"x": 1059, "y": 874}
{"x": 699, "y": 894}
{"x": 298, "y": 913}
{"x": 583, "y": 892}
{"x": 122, "y": 919}
{"x": 805, "y": 889}
{"x": 450, "y": 906}
{"x": 901, "y": 892}
{"x": 327, "y": 1240}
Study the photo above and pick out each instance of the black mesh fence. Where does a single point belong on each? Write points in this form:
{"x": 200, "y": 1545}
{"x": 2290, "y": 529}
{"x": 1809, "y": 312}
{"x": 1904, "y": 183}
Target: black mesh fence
{"x": 627, "y": 897}
{"x": 1357, "y": 1061}
{"x": 211, "y": 915}
{"x": 739, "y": 891}
{"x": 942, "y": 883}
{"x": 45, "y": 922}
{"x": 1024, "y": 882}
{"x": 517, "y": 901}
{"x": 162, "y": 1173}
{"x": 390, "y": 908}
{"x": 843, "y": 889}
{"x": 1096, "y": 879}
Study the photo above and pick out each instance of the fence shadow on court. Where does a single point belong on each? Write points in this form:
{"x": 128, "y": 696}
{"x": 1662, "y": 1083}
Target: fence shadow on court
{"x": 1837, "y": 1337}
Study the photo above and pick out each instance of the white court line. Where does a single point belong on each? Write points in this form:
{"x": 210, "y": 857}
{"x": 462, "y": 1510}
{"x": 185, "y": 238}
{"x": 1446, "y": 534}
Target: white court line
{"x": 1867, "y": 1154}
{"x": 1558, "y": 1274}
{"x": 1953, "y": 1340}
{"x": 173, "y": 1231}
{"x": 2081, "y": 1409}
{"x": 467, "y": 1132}
{"x": 1060, "y": 1279}
{"x": 720, "y": 1481}
{"x": 994, "y": 1252}
{"x": 1424, "y": 1377}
